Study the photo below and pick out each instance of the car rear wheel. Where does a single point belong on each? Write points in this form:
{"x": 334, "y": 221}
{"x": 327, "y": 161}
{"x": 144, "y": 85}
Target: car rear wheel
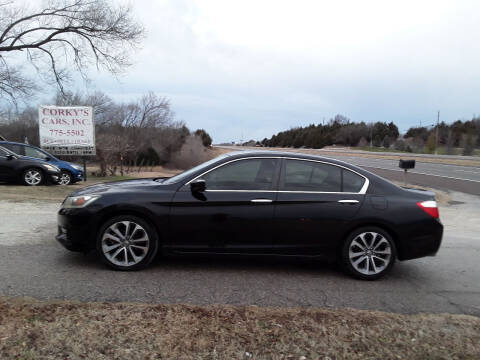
{"x": 127, "y": 243}
{"x": 32, "y": 177}
{"x": 65, "y": 178}
{"x": 368, "y": 253}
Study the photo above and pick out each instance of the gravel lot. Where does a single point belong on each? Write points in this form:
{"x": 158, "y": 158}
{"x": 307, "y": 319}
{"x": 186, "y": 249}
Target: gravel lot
{"x": 33, "y": 264}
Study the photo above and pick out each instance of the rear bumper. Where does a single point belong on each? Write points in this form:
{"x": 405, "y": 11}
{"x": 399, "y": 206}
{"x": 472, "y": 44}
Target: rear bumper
{"x": 424, "y": 243}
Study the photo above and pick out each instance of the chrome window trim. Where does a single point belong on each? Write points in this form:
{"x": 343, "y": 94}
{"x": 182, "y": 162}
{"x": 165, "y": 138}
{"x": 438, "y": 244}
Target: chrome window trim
{"x": 362, "y": 191}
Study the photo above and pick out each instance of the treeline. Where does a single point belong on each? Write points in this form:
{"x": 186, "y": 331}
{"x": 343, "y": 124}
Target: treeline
{"x": 143, "y": 132}
{"x": 342, "y": 131}
{"x": 339, "y": 130}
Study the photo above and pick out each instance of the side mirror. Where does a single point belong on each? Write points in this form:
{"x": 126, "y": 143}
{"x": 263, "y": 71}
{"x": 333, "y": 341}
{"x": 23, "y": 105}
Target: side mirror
{"x": 48, "y": 158}
{"x": 198, "y": 186}
{"x": 10, "y": 157}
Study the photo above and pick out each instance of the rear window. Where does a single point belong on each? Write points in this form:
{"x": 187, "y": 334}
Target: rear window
{"x": 300, "y": 175}
{"x": 311, "y": 176}
{"x": 352, "y": 182}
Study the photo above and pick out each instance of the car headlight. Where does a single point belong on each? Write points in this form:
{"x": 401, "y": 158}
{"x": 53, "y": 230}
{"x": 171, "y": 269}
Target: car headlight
{"x": 74, "y": 202}
{"x": 51, "y": 167}
{"x": 77, "y": 167}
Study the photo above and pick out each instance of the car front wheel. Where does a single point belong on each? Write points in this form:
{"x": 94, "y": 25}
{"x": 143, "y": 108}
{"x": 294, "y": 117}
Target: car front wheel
{"x": 127, "y": 243}
{"x": 368, "y": 253}
{"x": 32, "y": 177}
{"x": 65, "y": 178}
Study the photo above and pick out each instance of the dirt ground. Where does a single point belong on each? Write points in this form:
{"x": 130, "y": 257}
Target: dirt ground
{"x": 31, "y": 329}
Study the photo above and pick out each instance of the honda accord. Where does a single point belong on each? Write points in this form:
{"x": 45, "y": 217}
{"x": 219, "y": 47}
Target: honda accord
{"x": 255, "y": 203}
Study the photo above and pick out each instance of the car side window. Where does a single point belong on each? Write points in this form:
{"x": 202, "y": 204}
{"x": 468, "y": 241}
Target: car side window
{"x": 29, "y": 151}
{"x": 352, "y": 182}
{"x": 17, "y": 149}
{"x": 311, "y": 176}
{"x": 3, "y": 153}
{"x": 248, "y": 174}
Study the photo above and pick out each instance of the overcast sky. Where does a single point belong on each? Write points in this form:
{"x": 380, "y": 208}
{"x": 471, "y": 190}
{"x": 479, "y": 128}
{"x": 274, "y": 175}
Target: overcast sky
{"x": 251, "y": 68}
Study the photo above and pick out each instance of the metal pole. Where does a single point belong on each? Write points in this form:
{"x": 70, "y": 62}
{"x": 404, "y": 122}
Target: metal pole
{"x": 436, "y": 133}
{"x": 84, "y": 168}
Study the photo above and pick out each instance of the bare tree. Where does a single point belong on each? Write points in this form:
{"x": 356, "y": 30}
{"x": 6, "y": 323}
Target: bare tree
{"x": 62, "y": 35}
{"x": 151, "y": 111}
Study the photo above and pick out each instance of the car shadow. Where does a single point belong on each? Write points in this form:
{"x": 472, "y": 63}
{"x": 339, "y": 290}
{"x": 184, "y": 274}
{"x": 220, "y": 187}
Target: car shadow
{"x": 214, "y": 263}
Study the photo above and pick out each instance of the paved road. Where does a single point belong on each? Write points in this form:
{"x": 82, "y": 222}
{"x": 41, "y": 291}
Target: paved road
{"x": 33, "y": 264}
{"x": 446, "y": 177}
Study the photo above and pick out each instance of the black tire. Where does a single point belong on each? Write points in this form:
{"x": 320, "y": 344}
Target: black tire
{"x": 148, "y": 256}
{"x": 33, "y": 177}
{"x": 65, "y": 178}
{"x": 372, "y": 267}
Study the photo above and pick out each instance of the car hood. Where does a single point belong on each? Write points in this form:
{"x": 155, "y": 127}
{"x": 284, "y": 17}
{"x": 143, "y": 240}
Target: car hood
{"x": 119, "y": 186}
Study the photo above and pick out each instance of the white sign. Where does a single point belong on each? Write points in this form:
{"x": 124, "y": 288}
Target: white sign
{"x": 67, "y": 130}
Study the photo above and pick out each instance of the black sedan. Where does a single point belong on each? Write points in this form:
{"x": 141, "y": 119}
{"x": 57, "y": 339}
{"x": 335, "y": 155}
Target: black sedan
{"x": 256, "y": 203}
{"x": 17, "y": 168}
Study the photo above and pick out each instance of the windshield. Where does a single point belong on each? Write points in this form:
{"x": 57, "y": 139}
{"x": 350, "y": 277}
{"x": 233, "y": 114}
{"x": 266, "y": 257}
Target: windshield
{"x": 38, "y": 154}
{"x": 182, "y": 176}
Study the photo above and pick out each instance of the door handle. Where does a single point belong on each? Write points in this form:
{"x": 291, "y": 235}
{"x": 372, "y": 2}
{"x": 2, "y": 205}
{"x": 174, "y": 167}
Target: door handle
{"x": 348, "y": 201}
{"x": 261, "y": 201}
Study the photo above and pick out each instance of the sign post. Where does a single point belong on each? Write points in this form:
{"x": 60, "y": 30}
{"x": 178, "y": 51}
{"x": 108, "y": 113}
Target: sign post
{"x": 405, "y": 165}
{"x": 67, "y": 130}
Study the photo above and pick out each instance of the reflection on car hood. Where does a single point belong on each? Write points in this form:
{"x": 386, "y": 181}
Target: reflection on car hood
{"x": 125, "y": 185}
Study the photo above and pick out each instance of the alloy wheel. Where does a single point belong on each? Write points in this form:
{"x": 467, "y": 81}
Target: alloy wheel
{"x": 370, "y": 253}
{"x": 33, "y": 177}
{"x": 125, "y": 243}
{"x": 65, "y": 178}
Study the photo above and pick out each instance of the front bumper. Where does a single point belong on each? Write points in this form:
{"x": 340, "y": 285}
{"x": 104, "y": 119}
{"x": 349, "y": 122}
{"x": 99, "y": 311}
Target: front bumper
{"x": 53, "y": 177}
{"x": 76, "y": 229}
{"x": 78, "y": 176}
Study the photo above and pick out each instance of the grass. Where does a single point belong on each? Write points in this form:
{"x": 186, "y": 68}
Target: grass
{"x": 30, "y": 329}
{"x": 442, "y": 150}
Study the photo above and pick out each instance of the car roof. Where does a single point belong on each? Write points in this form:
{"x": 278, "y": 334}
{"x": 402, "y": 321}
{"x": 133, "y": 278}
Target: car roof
{"x": 15, "y": 143}
{"x": 287, "y": 154}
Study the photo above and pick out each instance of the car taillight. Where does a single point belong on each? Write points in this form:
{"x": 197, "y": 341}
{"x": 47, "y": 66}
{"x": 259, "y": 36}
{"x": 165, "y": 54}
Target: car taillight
{"x": 430, "y": 207}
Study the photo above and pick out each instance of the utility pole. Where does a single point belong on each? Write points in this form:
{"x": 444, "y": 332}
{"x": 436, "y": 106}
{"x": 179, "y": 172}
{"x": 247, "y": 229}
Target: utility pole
{"x": 436, "y": 133}
{"x": 371, "y": 135}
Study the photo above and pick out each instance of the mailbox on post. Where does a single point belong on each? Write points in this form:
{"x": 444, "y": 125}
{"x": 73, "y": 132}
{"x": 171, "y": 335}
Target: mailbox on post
{"x": 405, "y": 165}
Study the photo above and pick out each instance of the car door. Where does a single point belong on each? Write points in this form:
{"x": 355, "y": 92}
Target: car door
{"x": 235, "y": 212}
{"x": 7, "y": 167}
{"x": 315, "y": 202}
